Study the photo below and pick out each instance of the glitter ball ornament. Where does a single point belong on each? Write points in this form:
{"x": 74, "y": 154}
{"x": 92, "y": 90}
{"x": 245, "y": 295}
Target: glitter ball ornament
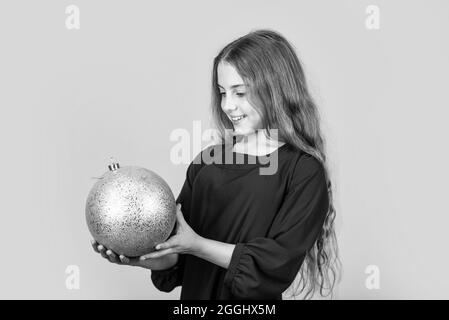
{"x": 129, "y": 210}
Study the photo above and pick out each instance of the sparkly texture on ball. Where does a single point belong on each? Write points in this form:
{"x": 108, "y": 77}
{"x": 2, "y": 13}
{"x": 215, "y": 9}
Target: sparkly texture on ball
{"x": 130, "y": 210}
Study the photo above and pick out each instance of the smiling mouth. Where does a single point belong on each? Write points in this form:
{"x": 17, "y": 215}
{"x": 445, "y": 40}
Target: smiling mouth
{"x": 238, "y": 119}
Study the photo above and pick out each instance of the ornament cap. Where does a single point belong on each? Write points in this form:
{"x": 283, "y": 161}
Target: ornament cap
{"x": 114, "y": 165}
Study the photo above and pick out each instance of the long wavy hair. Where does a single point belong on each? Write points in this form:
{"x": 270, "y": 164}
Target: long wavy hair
{"x": 268, "y": 64}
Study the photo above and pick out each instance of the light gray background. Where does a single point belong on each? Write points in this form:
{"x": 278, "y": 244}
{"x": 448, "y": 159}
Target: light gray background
{"x": 137, "y": 70}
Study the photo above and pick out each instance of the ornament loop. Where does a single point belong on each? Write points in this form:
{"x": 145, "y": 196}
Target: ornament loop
{"x": 114, "y": 165}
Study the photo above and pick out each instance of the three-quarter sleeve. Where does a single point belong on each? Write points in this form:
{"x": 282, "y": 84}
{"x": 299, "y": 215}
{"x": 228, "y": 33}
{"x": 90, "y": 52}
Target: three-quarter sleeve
{"x": 168, "y": 279}
{"x": 264, "y": 267}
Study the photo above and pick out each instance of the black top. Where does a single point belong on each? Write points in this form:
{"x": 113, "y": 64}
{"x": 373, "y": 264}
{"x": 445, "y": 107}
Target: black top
{"x": 273, "y": 219}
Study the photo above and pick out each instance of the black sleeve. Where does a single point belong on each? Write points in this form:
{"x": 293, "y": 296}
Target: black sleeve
{"x": 265, "y": 266}
{"x": 166, "y": 280}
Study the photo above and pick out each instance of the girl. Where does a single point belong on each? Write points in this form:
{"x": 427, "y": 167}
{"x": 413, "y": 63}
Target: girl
{"x": 244, "y": 233}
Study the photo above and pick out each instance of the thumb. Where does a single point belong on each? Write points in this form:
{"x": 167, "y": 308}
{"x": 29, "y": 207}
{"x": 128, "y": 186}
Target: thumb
{"x": 179, "y": 215}
{"x": 171, "y": 242}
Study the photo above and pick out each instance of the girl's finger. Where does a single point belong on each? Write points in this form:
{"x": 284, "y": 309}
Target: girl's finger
{"x": 180, "y": 216}
{"x": 161, "y": 246}
{"x": 172, "y": 242}
{"x": 102, "y": 251}
{"x": 112, "y": 256}
{"x": 124, "y": 259}
{"x": 158, "y": 254}
{"x": 94, "y": 245}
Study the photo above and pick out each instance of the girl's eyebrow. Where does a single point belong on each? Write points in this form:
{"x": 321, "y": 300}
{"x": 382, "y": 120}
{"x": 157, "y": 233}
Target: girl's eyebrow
{"x": 235, "y": 86}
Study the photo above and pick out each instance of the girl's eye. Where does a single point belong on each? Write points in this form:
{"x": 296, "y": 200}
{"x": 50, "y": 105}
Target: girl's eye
{"x": 239, "y": 94}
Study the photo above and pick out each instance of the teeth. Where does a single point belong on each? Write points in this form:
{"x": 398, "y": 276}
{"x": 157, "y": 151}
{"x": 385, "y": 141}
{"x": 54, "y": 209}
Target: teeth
{"x": 238, "y": 118}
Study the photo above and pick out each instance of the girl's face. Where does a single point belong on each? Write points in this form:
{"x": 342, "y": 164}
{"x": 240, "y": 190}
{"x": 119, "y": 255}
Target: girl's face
{"x": 234, "y": 101}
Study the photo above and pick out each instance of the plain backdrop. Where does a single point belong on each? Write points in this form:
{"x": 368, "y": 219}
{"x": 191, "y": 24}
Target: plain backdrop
{"x": 136, "y": 71}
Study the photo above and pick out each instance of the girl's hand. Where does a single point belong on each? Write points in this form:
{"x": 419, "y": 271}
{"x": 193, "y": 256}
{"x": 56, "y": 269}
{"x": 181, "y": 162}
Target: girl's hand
{"x": 184, "y": 241}
{"x": 153, "y": 264}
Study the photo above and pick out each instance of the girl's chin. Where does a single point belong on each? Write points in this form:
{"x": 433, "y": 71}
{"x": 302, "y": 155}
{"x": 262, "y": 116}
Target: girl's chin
{"x": 243, "y": 132}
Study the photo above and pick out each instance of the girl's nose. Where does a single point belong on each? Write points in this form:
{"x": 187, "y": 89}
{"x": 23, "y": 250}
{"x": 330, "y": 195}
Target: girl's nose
{"x": 229, "y": 106}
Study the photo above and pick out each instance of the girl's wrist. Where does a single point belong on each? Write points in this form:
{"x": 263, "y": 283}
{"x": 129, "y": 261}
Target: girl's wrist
{"x": 197, "y": 246}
